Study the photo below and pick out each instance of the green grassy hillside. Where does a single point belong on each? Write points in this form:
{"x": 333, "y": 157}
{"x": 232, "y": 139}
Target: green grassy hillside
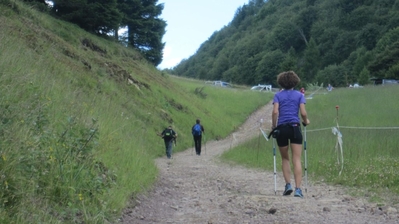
{"x": 79, "y": 117}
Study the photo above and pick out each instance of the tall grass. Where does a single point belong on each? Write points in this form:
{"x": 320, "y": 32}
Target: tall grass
{"x": 77, "y": 141}
{"x": 369, "y": 126}
{"x": 370, "y": 146}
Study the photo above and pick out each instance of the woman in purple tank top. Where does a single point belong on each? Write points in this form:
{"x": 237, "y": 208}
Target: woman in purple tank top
{"x": 285, "y": 120}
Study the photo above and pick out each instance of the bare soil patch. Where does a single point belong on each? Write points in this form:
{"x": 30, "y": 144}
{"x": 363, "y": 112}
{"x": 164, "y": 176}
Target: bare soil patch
{"x": 201, "y": 189}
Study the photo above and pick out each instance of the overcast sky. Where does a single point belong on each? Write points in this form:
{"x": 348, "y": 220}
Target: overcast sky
{"x": 192, "y": 22}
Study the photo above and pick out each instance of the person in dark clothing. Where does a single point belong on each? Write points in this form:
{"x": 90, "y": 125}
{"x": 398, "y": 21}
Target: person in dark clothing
{"x": 197, "y": 131}
{"x": 169, "y": 136}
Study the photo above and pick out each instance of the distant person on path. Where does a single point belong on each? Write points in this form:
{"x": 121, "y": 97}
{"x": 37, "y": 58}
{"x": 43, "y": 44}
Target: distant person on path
{"x": 197, "y": 131}
{"x": 285, "y": 120}
{"x": 302, "y": 91}
{"x": 169, "y": 136}
{"x": 329, "y": 87}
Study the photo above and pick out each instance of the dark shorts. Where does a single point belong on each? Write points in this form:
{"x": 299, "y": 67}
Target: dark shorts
{"x": 289, "y": 133}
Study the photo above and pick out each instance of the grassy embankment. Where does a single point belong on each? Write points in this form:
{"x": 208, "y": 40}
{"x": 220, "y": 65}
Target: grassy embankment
{"x": 76, "y": 139}
{"x": 371, "y": 155}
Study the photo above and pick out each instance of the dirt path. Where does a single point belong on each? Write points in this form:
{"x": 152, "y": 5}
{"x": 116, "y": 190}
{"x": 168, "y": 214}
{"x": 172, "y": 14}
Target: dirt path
{"x": 201, "y": 189}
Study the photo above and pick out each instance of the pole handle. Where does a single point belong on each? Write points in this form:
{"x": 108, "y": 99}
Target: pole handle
{"x": 273, "y": 132}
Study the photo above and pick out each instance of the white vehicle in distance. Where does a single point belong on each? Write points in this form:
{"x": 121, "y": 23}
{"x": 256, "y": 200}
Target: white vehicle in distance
{"x": 262, "y": 87}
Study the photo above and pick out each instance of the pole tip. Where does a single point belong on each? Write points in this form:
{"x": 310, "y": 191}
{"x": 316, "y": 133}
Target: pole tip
{"x": 337, "y": 107}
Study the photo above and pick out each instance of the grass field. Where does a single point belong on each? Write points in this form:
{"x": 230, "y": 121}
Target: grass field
{"x": 369, "y": 124}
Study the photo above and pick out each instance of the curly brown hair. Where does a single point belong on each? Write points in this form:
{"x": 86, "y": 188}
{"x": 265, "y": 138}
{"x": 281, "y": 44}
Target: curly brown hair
{"x": 288, "y": 80}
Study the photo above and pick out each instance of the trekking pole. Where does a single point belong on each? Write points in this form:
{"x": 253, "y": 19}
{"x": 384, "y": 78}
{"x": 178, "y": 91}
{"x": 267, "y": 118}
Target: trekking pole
{"x": 260, "y": 126}
{"x": 192, "y": 152}
{"x": 275, "y": 172}
{"x": 205, "y": 143}
{"x": 306, "y": 162}
{"x": 274, "y": 133}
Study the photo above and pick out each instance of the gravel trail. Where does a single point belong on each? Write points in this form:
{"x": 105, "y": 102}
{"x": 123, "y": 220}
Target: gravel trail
{"x": 201, "y": 189}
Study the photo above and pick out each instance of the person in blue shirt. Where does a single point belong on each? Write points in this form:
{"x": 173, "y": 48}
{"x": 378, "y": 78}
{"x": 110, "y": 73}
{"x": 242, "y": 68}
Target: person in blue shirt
{"x": 197, "y": 130}
{"x": 285, "y": 119}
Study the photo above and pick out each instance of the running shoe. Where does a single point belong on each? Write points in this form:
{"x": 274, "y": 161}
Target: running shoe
{"x": 288, "y": 189}
{"x": 298, "y": 193}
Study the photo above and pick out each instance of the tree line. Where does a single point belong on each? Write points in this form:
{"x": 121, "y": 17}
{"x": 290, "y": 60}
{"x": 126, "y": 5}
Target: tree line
{"x": 105, "y": 17}
{"x": 336, "y": 41}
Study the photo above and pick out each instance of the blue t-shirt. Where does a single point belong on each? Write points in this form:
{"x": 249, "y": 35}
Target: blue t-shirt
{"x": 289, "y": 101}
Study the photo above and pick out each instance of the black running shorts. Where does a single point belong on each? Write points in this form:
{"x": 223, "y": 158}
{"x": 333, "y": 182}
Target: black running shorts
{"x": 291, "y": 132}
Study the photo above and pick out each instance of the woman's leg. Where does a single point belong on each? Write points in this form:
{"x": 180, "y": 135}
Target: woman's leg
{"x": 296, "y": 161}
{"x": 285, "y": 159}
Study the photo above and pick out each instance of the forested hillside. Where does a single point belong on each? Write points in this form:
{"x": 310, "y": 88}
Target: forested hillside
{"x": 324, "y": 41}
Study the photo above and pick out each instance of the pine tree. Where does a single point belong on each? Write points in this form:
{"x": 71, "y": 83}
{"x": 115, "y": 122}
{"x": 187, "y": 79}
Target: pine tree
{"x": 97, "y": 16}
{"x": 145, "y": 28}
